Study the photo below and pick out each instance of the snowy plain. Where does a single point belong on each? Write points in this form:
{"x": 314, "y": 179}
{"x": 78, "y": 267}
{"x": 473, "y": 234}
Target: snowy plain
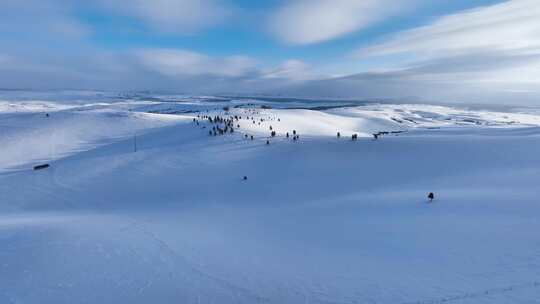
{"x": 319, "y": 220}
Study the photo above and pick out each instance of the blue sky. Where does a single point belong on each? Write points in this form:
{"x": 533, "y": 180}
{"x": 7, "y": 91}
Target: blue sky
{"x": 121, "y": 32}
{"x": 477, "y": 49}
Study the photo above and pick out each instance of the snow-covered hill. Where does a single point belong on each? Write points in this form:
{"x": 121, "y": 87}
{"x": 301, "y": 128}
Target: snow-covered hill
{"x": 319, "y": 220}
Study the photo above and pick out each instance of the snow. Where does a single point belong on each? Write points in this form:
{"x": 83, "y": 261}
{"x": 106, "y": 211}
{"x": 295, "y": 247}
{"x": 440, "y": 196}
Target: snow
{"x": 319, "y": 220}
{"x": 28, "y": 135}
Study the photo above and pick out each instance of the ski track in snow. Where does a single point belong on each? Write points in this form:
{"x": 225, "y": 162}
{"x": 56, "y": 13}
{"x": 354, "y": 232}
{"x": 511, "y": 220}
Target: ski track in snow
{"x": 479, "y": 294}
{"x": 240, "y": 292}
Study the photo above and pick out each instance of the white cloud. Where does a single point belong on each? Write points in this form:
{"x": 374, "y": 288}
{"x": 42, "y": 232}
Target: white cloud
{"x": 172, "y": 16}
{"x": 312, "y": 21}
{"x": 173, "y": 62}
{"x": 186, "y": 63}
{"x": 293, "y": 69}
{"x": 486, "y": 51}
{"x": 40, "y": 19}
{"x": 58, "y": 16}
{"x": 512, "y": 25}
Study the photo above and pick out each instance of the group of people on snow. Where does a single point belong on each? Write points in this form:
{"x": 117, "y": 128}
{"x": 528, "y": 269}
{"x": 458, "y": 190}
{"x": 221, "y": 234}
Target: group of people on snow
{"x": 222, "y": 125}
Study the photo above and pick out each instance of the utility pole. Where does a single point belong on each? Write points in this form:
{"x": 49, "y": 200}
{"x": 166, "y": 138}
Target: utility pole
{"x": 134, "y": 135}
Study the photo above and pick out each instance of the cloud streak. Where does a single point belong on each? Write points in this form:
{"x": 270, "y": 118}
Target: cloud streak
{"x": 512, "y": 25}
{"x": 174, "y": 62}
{"x": 313, "y": 21}
{"x": 479, "y": 54}
{"x": 172, "y": 16}
{"x": 39, "y": 19}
